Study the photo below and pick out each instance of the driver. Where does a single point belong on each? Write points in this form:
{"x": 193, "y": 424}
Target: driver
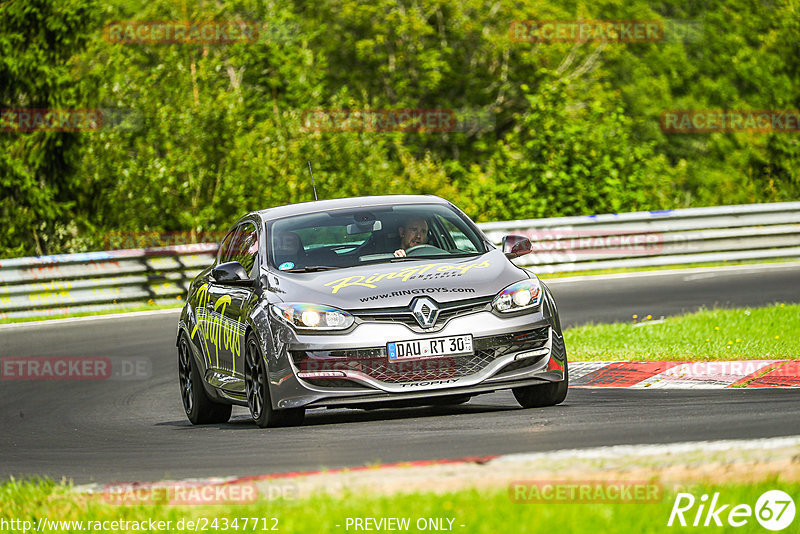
{"x": 413, "y": 232}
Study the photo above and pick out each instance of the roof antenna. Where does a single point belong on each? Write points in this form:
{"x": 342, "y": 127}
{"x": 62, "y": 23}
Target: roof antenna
{"x": 312, "y": 180}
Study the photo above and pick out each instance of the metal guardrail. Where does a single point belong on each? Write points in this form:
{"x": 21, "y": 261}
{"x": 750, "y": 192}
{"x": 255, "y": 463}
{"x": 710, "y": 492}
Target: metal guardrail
{"x": 655, "y": 238}
{"x": 95, "y": 281}
{"x": 54, "y": 285}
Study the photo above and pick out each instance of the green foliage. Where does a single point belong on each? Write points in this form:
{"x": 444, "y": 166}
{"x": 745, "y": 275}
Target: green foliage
{"x": 496, "y": 502}
{"x": 39, "y": 40}
{"x": 561, "y": 161}
{"x": 211, "y": 131}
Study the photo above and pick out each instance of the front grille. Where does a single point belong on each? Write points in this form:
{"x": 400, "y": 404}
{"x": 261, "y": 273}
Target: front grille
{"x": 397, "y": 372}
{"x": 404, "y": 315}
{"x": 374, "y": 363}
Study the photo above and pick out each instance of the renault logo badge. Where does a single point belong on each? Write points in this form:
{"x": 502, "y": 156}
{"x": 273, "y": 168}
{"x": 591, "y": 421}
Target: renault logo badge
{"x": 425, "y": 311}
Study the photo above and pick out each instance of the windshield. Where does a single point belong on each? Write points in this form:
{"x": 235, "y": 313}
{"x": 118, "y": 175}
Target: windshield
{"x": 345, "y": 238}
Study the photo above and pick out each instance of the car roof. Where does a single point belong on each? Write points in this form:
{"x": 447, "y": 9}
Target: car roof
{"x": 316, "y": 206}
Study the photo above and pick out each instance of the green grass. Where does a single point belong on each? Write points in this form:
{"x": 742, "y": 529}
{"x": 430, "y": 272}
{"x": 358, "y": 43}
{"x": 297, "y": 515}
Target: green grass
{"x": 546, "y": 276}
{"x": 134, "y": 307}
{"x": 772, "y": 332}
{"x": 488, "y": 511}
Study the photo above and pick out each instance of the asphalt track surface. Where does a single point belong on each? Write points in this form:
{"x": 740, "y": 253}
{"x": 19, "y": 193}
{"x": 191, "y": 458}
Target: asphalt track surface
{"x": 125, "y": 430}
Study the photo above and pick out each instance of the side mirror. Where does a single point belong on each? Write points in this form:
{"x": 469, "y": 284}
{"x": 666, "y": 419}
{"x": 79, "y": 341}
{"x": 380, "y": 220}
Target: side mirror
{"x": 232, "y": 274}
{"x": 515, "y": 246}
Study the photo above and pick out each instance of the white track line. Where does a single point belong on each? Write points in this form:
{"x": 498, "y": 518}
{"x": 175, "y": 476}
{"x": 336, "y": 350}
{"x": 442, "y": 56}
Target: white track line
{"x": 725, "y": 269}
{"x": 618, "y": 451}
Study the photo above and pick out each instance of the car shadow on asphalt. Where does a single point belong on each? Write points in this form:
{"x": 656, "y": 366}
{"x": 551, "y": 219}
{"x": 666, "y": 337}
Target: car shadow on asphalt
{"x": 339, "y": 416}
{"x": 343, "y": 416}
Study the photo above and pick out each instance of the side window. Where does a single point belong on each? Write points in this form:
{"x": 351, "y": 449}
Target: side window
{"x": 225, "y": 248}
{"x": 245, "y": 249}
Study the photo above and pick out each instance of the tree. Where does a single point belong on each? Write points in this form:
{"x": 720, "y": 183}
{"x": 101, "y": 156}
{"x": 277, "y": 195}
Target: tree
{"x": 39, "y": 189}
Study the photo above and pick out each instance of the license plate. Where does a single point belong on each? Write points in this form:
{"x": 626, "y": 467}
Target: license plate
{"x": 423, "y": 348}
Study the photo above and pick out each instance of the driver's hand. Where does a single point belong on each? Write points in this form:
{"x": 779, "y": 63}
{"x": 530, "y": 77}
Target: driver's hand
{"x": 400, "y": 253}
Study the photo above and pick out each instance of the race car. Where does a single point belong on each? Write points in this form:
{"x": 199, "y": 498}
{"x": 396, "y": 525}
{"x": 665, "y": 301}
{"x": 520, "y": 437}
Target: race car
{"x": 365, "y": 302}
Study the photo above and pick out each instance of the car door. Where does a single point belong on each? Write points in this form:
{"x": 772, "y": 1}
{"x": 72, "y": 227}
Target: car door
{"x": 203, "y": 303}
{"x": 229, "y": 303}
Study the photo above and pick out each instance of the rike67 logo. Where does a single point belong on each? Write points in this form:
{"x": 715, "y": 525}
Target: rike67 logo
{"x": 774, "y": 510}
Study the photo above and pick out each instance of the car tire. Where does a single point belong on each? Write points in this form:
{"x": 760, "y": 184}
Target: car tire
{"x": 257, "y": 388}
{"x": 543, "y": 394}
{"x": 198, "y": 406}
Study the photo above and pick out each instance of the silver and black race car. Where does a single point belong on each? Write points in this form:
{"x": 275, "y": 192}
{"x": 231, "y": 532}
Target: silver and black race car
{"x": 362, "y": 303}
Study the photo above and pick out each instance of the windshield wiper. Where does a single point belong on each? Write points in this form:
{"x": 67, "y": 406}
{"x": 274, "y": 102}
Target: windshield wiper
{"x": 310, "y": 269}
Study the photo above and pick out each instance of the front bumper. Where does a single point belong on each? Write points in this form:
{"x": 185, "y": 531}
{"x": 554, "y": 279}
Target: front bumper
{"x": 352, "y": 368}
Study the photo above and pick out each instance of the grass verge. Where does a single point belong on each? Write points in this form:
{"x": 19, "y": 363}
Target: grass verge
{"x": 771, "y": 332}
{"x": 471, "y": 510}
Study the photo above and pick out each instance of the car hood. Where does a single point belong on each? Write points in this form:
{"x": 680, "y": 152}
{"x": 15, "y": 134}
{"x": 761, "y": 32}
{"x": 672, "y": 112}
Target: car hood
{"x": 388, "y": 285}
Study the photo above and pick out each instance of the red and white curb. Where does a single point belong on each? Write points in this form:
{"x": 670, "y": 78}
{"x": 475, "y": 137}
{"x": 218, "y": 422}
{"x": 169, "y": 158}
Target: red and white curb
{"x": 686, "y": 375}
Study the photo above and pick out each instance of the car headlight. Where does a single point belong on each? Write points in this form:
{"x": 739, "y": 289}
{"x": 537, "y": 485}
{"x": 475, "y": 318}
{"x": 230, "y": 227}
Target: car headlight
{"x": 313, "y": 316}
{"x": 523, "y": 295}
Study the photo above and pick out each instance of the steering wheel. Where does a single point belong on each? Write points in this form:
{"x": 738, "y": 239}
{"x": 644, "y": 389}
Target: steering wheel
{"x": 419, "y": 250}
